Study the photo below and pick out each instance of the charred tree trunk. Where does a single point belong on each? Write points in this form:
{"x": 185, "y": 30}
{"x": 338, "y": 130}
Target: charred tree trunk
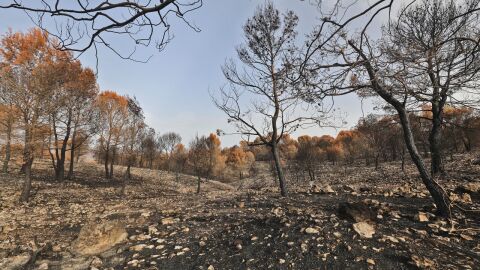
{"x": 279, "y": 170}
{"x": 440, "y": 197}
{"x": 8, "y": 147}
{"x": 72, "y": 153}
{"x": 112, "y": 160}
{"x": 128, "y": 175}
{"x": 434, "y": 140}
{"x": 107, "y": 160}
{"x": 27, "y": 165}
{"x": 198, "y": 184}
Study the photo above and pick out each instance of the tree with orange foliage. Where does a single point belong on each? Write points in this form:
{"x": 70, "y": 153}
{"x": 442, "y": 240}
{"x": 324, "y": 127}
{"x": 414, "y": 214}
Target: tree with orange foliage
{"x": 8, "y": 119}
{"x": 24, "y": 58}
{"x": 73, "y": 88}
{"x": 179, "y": 158}
{"x": 216, "y": 163}
{"x": 113, "y": 112}
{"x": 238, "y": 159}
{"x": 288, "y": 147}
{"x": 461, "y": 126}
{"x": 349, "y": 142}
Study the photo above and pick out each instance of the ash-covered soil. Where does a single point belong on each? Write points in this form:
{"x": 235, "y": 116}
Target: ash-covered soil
{"x": 354, "y": 219}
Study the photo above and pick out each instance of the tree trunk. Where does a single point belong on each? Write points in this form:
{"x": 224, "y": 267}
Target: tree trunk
{"x": 107, "y": 156}
{"x": 434, "y": 140}
{"x": 376, "y": 161}
{"x": 440, "y": 197}
{"x": 27, "y": 165}
{"x": 60, "y": 170}
{"x": 279, "y": 170}
{"x": 111, "y": 162}
{"x": 198, "y": 184}
{"x": 72, "y": 153}
{"x": 7, "y": 148}
{"x": 127, "y": 175}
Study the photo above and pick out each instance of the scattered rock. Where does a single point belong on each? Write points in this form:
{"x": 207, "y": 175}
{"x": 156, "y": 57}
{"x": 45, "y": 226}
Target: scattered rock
{"x": 371, "y": 261}
{"x": 326, "y": 189}
{"x": 97, "y": 262}
{"x": 169, "y": 221}
{"x": 15, "y": 263}
{"x": 472, "y": 187}
{"x": 364, "y": 229}
{"x": 43, "y": 266}
{"x": 311, "y": 230}
{"x": 278, "y": 211}
{"x": 138, "y": 247}
{"x": 356, "y": 212}
{"x": 422, "y": 263}
{"x": 421, "y": 217}
{"x": 97, "y": 238}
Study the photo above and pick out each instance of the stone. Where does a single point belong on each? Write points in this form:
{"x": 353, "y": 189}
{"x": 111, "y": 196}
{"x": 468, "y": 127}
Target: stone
{"x": 421, "y": 217}
{"x": 472, "y": 187}
{"x": 371, "y": 261}
{"x": 169, "y": 221}
{"x": 466, "y": 198}
{"x": 279, "y": 212}
{"x": 15, "y": 263}
{"x": 364, "y": 229}
{"x": 281, "y": 261}
{"x": 96, "y": 238}
{"x": 210, "y": 267}
{"x": 43, "y": 266}
{"x": 326, "y": 189}
{"x": 304, "y": 247}
{"x": 138, "y": 247}
{"x": 356, "y": 212}
{"x": 337, "y": 234}
{"x": 96, "y": 262}
{"x": 311, "y": 230}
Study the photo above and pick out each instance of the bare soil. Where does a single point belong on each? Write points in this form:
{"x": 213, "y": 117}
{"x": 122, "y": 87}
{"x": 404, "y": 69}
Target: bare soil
{"x": 245, "y": 224}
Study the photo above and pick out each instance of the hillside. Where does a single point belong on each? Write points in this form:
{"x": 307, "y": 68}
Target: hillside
{"x": 240, "y": 225}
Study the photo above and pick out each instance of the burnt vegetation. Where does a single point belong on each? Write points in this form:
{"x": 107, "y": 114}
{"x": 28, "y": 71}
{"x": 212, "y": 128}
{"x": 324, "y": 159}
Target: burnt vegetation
{"x": 86, "y": 183}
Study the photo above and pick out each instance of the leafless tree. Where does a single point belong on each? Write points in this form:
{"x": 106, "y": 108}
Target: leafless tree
{"x": 199, "y": 158}
{"x": 84, "y": 24}
{"x": 352, "y": 63}
{"x": 169, "y": 140}
{"x": 134, "y": 127}
{"x": 267, "y": 62}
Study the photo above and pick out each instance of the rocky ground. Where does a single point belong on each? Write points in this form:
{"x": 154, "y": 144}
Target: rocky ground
{"x": 357, "y": 218}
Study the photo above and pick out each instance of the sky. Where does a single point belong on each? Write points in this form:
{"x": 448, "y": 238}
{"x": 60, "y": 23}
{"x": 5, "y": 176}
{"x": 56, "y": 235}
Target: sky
{"x": 173, "y": 86}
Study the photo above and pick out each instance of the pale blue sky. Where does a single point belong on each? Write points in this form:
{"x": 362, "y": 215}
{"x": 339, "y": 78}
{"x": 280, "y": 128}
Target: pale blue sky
{"x": 173, "y": 87}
